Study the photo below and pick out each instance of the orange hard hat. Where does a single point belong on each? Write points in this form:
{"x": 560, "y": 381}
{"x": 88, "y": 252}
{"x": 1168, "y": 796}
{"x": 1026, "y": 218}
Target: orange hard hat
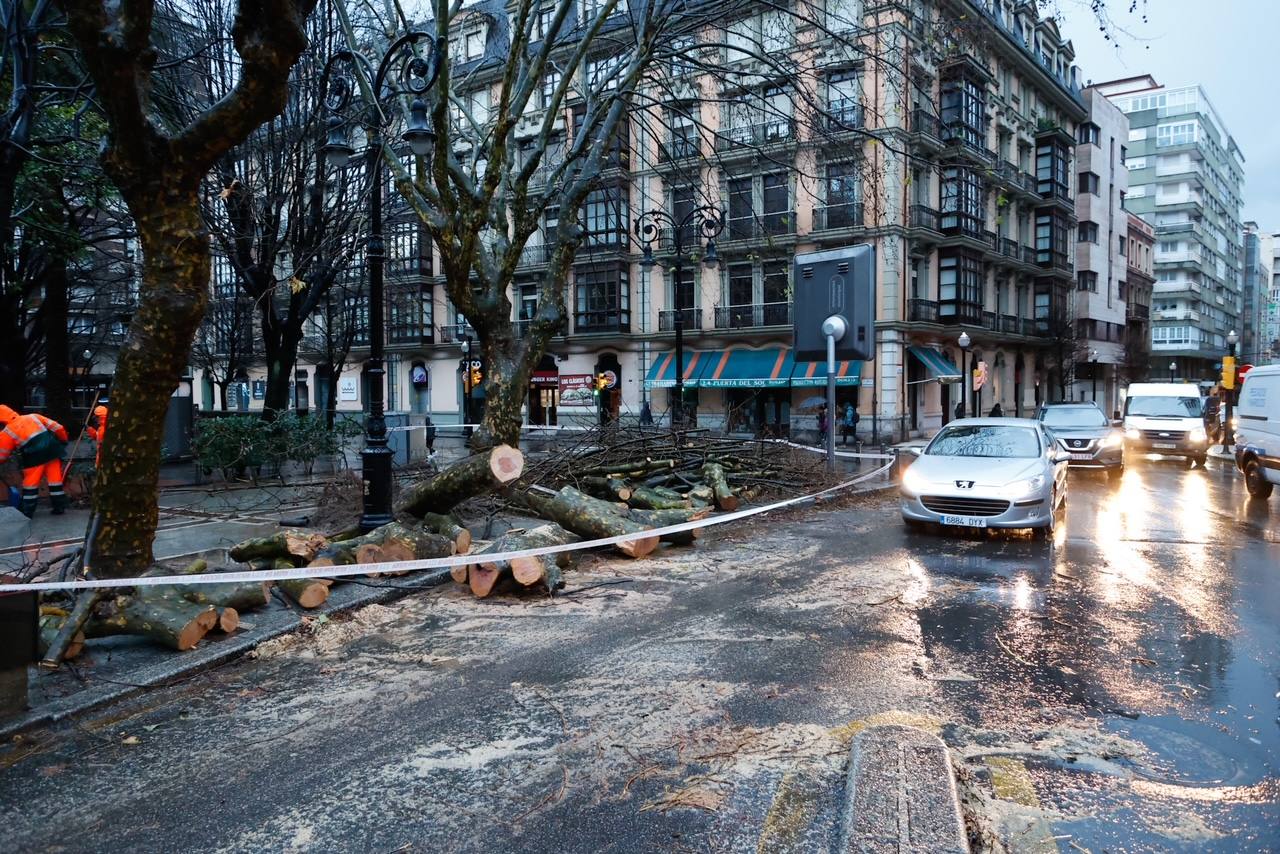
{"x": 6, "y": 414}
{"x": 100, "y": 412}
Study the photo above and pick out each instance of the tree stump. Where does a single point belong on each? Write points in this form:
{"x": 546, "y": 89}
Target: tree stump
{"x": 713, "y": 474}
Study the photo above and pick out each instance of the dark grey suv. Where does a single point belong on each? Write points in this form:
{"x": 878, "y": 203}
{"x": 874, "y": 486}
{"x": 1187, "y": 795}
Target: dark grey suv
{"x": 1083, "y": 431}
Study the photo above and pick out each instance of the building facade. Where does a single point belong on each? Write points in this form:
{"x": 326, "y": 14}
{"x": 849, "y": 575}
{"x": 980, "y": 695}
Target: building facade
{"x": 1140, "y": 278}
{"x": 1102, "y": 234}
{"x": 956, "y": 161}
{"x": 1186, "y": 175}
{"x": 1273, "y": 306}
{"x": 1256, "y": 294}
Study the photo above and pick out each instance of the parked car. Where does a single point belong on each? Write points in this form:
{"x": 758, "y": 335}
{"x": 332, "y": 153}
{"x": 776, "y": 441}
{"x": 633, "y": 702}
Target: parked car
{"x": 1165, "y": 418}
{"x": 1085, "y": 432}
{"x": 987, "y": 473}
{"x": 1257, "y": 430}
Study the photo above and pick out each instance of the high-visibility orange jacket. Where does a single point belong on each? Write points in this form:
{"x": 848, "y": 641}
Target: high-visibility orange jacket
{"x": 98, "y": 433}
{"x": 38, "y": 438}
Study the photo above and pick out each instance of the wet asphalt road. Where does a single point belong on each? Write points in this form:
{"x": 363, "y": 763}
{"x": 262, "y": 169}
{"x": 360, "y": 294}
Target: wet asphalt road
{"x": 1118, "y": 690}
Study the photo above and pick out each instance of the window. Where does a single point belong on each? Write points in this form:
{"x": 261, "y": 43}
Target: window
{"x": 591, "y": 8}
{"x": 474, "y": 104}
{"x": 1087, "y": 232}
{"x": 547, "y": 91}
{"x": 1135, "y": 163}
{"x": 1137, "y": 134}
{"x": 683, "y": 56}
{"x": 757, "y": 117}
{"x": 473, "y": 44}
{"x": 767, "y": 195}
{"x": 741, "y": 285}
{"x": 543, "y": 20}
{"x": 844, "y": 196}
{"x": 1089, "y": 183}
{"x": 602, "y": 298}
{"x": 224, "y": 277}
{"x": 684, "y": 134}
{"x": 843, "y": 15}
{"x": 960, "y": 277}
{"x": 605, "y": 217}
{"x": 409, "y": 314}
{"x": 683, "y": 201}
{"x": 766, "y": 32}
{"x": 964, "y": 112}
{"x": 1088, "y": 134}
{"x": 741, "y": 208}
{"x": 775, "y": 192}
{"x": 963, "y": 200}
{"x": 1122, "y": 244}
{"x": 757, "y": 295}
{"x": 844, "y": 99}
{"x": 603, "y": 74}
{"x": 1179, "y": 133}
{"x": 1087, "y": 281}
{"x": 1052, "y": 161}
{"x": 1052, "y": 228}
{"x": 402, "y": 247}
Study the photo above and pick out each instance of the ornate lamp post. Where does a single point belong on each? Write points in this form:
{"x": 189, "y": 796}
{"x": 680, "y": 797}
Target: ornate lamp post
{"x": 1093, "y": 372}
{"x": 402, "y": 71}
{"x": 709, "y": 222}
{"x": 1173, "y": 366}
{"x": 965, "y": 379}
{"x": 1228, "y": 439}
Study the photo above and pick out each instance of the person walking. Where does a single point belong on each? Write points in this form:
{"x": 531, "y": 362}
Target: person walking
{"x": 822, "y": 425}
{"x": 41, "y": 442}
{"x": 431, "y": 435}
{"x": 996, "y": 411}
{"x": 850, "y": 424}
{"x": 98, "y": 434}
{"x": 646, "y": 415}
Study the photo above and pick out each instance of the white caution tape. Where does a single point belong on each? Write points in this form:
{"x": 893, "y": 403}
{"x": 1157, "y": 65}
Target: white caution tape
{"x": 428, "y": 563}
{"x": 816, "y": 450}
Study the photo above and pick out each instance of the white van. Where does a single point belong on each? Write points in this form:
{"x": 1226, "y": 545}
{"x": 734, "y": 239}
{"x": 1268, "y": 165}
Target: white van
{"x": 1258, "y": 430}
{"x": 1165, "y": 418}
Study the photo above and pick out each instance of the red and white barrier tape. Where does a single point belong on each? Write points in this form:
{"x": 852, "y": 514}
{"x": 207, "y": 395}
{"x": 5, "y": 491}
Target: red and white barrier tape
{"x": 428, "y": 563}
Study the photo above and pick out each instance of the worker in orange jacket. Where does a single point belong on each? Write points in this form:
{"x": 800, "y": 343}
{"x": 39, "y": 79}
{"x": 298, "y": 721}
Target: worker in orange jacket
{"x": 41, "y": 442}
{"x": 98, "y": 434}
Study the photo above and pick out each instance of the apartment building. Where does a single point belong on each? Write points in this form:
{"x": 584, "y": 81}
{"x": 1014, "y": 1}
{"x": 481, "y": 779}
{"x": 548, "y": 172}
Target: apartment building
{"x": 1273, "y": 306}
{"x": 956, "y": 164}
{"x": 1255, "y": 293}
{"x": 1102, "y": 234}
{"x": 1185, "y": 177}
{"x": 1140, "y": 279}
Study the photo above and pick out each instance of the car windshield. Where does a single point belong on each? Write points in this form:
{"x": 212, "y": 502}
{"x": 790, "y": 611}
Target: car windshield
{"x": 1164, "y": 407}
{"x": 985, "y": 440}
{"x": 1073, "y": 416}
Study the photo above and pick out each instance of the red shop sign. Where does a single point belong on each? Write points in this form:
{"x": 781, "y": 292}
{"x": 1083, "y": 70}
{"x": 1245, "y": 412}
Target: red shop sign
{"x": 568, "y": 382}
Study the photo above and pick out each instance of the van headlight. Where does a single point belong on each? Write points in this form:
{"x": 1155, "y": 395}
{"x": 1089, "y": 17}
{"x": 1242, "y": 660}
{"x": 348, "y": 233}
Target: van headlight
{"x": 1133, "y": 433}
{"x": 1197, "y": 434}
{"x": 1023, "y": 488}
{"x": 1114, "y": 439}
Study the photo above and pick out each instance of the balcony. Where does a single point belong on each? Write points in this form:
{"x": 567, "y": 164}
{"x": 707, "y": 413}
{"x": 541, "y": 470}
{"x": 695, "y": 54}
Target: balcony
{"x": 456, "y": 332}
{"x": 925, "y": 217}
{"x": 965, "y": 141}
{"x": 535, "y": 255}
{"x": 926, "y": 125}
{"x": 958, "y": 224}
{"x": 1011, "y": 324}
{"x": 847, "y": 215}
{"x": 844, "y": 115}
{"x": 991, "y": 320}
{"x": 753, "y": 316}
{"x": 774, "y": 132}
{"x": 1052, "y": 259}
{"x": 967, "y": 313}
{"x": 922, "y": 311}
{"x": 1138, "y": 312}
{"x": 605, "y": 320}
{"x": 678, "y": 149}
{"x": 764, "y": 225}
{"x": 692, "y": 318}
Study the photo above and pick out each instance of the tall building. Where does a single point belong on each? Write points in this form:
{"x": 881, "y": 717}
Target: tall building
{"x": 1185, "y": 178}
{"x": 1102, "y": 234}
{"x": 1273, "y": 306}
{"x": 1140, "y": 279}
{"x": 1256, "y": 293}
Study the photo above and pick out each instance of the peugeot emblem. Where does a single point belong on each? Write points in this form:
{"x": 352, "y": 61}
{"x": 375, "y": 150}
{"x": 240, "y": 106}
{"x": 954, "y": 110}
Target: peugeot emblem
{"x": 964, "y": 484}
{"x": 1164, "y": 435}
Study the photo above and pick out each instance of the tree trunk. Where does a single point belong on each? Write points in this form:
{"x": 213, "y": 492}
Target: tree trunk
{"x": 281, "y": 352}
{"x": 172, "y": 300}
{"x": 447, "y": 527}
{"x": 171, "y": 620}
{"x": 471, "y": 477}
{"x": 588, "y": 520}
{"x": 646, "y": 498}
{"x": 303, "y": 545}
{"x": 713, "y": 473}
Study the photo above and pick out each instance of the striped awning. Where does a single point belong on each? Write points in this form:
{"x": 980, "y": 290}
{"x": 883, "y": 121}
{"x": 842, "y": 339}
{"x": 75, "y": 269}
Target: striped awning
{"x": 938, "y": 365}
{"x": 662, "y": 372}
{"x": 742, "y": 368}
{"x": 814, "y": 374}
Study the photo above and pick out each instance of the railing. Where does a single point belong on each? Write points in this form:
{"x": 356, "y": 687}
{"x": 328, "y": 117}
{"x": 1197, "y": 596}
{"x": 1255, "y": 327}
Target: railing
{"x": 967, "y": 313}
{"x": 924, "y": 217}
{"x": 1028, "y": 255}
{"x": 608, "y": 320}
{"x": 957, "y": 224}
{"x": 844, "y": 115}
{"x": 679, "y": 148}
{"x": 766, "y": 133}
{"x": 1054, "y": 259}
{"x": 922, "y": 310}
{"x": 924, "y": 122}
{"x": 1028, "y": 182}
{"x": 1139, "y": 312}
{"x": 667, "y": 319}
{"x": 847, "y": 215}
{"x": 753, "y": 316}
{"x": 955, "y": 136}
{"x": 767, "y": 224}
{"x": 1009, "y": 248}
{"x": 535, "y": 255}
{"x": 410, "y": 332}
{"x": 456, "y": 332}
{"x": 991, "y": 320}
{"x": 1011, "y": 323}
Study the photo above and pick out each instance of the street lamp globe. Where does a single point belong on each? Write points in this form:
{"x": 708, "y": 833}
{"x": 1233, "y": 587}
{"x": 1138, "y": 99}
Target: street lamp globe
{"x": 711, "y": 259}
{"x": 1232, "y": 338}
{"x": 337, "y": 149}
{"x": 419, "y": 135}
{"x": 964, "y": 341}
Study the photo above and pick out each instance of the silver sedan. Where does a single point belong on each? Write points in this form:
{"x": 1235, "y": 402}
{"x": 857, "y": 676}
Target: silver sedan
{"x": 987, "y": 473}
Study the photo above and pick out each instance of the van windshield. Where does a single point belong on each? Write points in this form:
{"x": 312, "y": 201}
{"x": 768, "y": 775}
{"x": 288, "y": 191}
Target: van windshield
{"x": 1165, "y": 407}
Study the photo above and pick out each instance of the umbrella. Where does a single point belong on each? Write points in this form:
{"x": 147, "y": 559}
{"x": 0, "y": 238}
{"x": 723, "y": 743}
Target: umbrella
{"x": 817, "y": 401}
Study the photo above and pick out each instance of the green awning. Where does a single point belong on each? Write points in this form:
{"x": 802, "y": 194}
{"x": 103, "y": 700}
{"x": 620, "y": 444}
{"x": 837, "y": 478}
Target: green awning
{"x": 742, "y": 368}
{"x": 662, "y": 372}
{"x": 938, "y": 365}
{"x": 814, "y": 374}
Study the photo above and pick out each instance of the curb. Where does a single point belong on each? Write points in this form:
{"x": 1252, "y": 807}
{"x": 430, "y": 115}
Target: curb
{"x": 900, "y": 794}
{"x": 209, "y": 656}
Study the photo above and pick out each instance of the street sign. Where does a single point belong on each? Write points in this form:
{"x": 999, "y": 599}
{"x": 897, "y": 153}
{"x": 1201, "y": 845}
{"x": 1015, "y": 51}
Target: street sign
{"x": 838, "y": 282}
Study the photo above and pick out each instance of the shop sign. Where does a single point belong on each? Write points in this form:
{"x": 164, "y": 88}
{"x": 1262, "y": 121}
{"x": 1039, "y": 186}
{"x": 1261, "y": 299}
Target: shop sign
{"x": 544, "y": 379}
{"x": 576, "y": 389}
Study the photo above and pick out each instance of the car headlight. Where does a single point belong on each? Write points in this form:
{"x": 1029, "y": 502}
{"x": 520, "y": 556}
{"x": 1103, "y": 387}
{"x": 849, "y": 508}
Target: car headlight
{"x": 1197, "y": 434}
{"x": 1021, "y": 488}
{"x": 913, "y": 481}
{"x": 1133, "y": 433}
{"x": 1113, "y": 440}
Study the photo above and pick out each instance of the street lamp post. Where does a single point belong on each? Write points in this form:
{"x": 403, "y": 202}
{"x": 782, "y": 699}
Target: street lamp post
{"x": 1173, "y": 366}
{"x": 414, "y": 76}
{"x": 1093, "y": 363}
{"x": 1228, "y": 438}
{"x": 964, "y": 373}
{"x": 709, "y": 222}
{"x": 466, "y": 386}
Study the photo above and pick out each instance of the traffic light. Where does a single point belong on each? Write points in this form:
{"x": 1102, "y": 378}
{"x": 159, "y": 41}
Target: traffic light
{"x": 476, "y": 378}
{"x": 1229, "y": 372}
{"x": 602, "y": 382}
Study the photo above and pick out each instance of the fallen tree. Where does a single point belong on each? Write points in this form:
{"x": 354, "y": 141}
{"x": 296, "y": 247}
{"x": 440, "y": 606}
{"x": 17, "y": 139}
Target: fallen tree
{"x": 473, "y": 476}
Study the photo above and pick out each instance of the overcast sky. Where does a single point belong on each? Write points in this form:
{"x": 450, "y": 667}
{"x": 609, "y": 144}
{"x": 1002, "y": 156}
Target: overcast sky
{"x": 1227, "y": 46}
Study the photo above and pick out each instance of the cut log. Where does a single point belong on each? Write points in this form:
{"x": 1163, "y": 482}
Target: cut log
{"x": 58, "y": 645}
{"x": 667, "y": 492}
{"x": 531, "y": 570}
{"x": 640, "y": 466}
{"x": 410, "y": 544}
{"x": 447, "y": 526}
{"x": 368, "y": 553}
{"x": 170, "y": 620}
{"x": 471, "y": 477}
{"x": 646, "y": 498}
{"x": 307, "y": 592}
{"x": 459, "y": 573}
{"x": 228, "y": 620}
{"x": 49, "y": 626}
{"x": 389, "y": 542}
{"x": 702, "y": 493}
{"x": 617, "y": 508}
{"x": 666, "y": 518}
{"x": 304, "y": 545}
{"x": 586, "y": 521}
{"x": 483, "y": 581}
{"x": 242, "y": 597}
{"x": 713, "y": 473}
{"x": 607, "y": 488}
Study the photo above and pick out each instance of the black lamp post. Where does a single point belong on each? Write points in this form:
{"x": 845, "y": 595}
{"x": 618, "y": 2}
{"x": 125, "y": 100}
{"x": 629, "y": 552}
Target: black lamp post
{"x": 1093, "y": 364}
{"x": 1173, "y": 366}
{"x": 709, "y": 222}
{"x": 467, "y": 385}
{"x": 1228, "y": 438}
{"x": 414, "y": 75}
{"x": 964, "y": 373}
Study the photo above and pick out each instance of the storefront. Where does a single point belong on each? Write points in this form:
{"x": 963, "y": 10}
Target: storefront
{"x": 544, "y": 392}
{"x": 755, "y": 382}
